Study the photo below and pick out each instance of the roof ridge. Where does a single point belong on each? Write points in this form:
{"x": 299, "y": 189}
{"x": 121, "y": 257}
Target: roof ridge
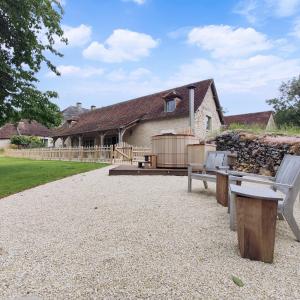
{"x": 148, "y": 95}
{"x": 253, "y": 113}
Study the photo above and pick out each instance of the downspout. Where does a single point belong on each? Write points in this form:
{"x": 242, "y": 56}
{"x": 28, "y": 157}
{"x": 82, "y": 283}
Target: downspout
{"x": 191, "y": 89}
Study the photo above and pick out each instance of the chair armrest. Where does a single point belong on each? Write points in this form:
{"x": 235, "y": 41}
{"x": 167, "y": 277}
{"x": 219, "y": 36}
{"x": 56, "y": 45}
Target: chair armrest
{"x": 259, "y": 193}
{"x": 222, "y": 167}
{"x": 288, "y": 186}
{"x": 274, "y": 184}
{"x": 237, "y": 173}
{"x": 196, "y": 166}
{"x": 253, "y": 179}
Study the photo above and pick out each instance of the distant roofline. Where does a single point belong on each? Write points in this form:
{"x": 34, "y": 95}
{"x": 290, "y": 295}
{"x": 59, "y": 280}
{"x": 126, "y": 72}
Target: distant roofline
{"x": 74, "y": 106}
{"x": 248, "y": 114}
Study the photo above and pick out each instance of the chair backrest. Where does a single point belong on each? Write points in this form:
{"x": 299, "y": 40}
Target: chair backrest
{"x": 215, "y": 159}
{"x": 289, "y": 173}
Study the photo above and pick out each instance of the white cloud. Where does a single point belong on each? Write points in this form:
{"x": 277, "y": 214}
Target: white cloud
{"x": 257, "y": 10}
{"x": 247, "y": 9}
{"x": 134, "y": 75}
{"x": 77, "y": 36}
{"x": 284, "y": 8}
{"x": 296, "y": 30}
{"x": 139, "y": 2}
{"x": 241, "y": 75}
{"x": 63, "y": 2}
{"x": 120, "y": 46}
{"x": 70, "y": 70}
{"x": 226, "y": 41}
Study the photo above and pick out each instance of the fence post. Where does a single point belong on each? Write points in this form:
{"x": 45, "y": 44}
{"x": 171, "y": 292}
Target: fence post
{"x": 81, "y": 153}
{"x": 112, "y": 154}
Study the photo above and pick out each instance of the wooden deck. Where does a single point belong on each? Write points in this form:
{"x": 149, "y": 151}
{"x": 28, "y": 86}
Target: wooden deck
{"x": 134, "y": 170}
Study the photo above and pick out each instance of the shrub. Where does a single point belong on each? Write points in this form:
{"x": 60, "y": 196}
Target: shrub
{"x": 27, "y": 141}
{"x": 258, "y": 129}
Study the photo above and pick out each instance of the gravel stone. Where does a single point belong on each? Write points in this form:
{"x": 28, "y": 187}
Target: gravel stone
{"x": 148, "y": 238}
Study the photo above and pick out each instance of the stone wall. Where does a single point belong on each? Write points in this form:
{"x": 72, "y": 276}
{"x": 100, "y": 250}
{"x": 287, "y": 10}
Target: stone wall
{"x": 258, "y": 153}
{"x": 207, "y": 108}
{"x": 4, "y": 143}
{"x": 141, "y": 134}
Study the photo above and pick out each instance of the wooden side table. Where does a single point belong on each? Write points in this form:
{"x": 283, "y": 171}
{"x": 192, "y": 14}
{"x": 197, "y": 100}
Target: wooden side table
{"x": 256, "y": 213}
{"x": 222, "y": 188}
{"x": 151, "y": 161}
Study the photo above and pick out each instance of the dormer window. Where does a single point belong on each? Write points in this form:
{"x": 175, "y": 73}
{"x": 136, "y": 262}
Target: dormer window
{"x": 171, "y": 101}
{"x": 170, "y": 105}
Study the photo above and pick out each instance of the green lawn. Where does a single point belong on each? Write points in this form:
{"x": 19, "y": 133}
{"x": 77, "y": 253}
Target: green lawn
{"x": 17, "y": 174}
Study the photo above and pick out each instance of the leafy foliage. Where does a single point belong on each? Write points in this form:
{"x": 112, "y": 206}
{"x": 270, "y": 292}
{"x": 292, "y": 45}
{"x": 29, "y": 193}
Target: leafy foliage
{"x": 237, "y": 281}
{"x": 28, "y": 30}
{"x": 27, "y": 141}
{"x": 287, "y": 105}
{"x": 258, "y": 129}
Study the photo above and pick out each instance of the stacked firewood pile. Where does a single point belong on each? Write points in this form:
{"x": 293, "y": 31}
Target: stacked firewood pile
{"x": 258, "y": 153}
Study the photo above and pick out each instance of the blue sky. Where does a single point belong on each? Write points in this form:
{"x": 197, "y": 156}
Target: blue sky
{"x": 121, "y": 49}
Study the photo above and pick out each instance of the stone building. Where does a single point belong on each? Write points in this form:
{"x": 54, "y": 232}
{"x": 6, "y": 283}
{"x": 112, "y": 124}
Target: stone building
{"x": 189, "y": 108}
{"x": 24, "y": 127}
{"x": 264, "y": 119}
{"x": 73, "y": 112}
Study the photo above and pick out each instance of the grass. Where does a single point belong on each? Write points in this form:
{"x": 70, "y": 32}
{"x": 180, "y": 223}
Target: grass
{"x": 17, "y": 174}
{"x": 256, "y": 129}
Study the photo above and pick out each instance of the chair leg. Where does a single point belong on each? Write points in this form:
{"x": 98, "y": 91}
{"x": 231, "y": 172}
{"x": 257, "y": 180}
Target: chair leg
{"x": 189, "y": 179}
{"x": 232, "y": 211}
{"x": 280, "y": 216}
{"x": 189, "y": 184}
{"x": 205, "y": 184}
{"x": 293, "y": 224}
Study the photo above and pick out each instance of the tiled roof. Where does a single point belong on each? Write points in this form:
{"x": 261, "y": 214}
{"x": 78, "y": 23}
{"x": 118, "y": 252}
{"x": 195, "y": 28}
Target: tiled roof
{"x": 24, "y": 127}
{"x": 143, "y": 108}
{"x": 73, "y": 112}
{"x": 260, "y": 118}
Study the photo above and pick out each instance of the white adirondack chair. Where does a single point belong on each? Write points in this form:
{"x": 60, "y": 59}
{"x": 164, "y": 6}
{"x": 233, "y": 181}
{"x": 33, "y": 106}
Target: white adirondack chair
{"x": 286, "y": 183}
{"x": 215, "y": 160}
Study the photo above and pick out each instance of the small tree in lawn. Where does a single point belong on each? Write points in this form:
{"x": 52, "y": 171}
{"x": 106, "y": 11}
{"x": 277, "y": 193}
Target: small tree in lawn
{"x": 28, "y": 30}
{"x": 287, "y": 105}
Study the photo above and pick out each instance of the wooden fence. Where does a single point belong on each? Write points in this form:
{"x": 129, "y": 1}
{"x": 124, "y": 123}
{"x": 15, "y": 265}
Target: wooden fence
{"x": 114, "y": 154}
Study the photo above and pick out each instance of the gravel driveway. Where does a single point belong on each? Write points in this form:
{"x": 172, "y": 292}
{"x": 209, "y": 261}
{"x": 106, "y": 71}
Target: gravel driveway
{"x": 92, "y": 236}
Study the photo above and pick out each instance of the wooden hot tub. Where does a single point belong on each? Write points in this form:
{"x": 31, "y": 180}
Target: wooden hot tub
{"x": 172, "y": 150}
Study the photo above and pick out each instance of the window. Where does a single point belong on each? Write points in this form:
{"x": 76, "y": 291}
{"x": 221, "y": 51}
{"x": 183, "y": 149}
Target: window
{"x": 170, "y": 105}
{"x": 88, "y": 143}
{"x": 111, "y": 140}
{"x": 208, "y": 123}
{"x": 45, "y": 141}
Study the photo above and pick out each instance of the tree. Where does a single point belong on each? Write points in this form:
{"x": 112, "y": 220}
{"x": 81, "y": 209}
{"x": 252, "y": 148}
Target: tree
{"x": 287, "y": 105}
{"x": 28, "y": 31}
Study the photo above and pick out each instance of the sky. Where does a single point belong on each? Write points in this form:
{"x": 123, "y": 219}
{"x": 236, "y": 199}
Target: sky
{"x": 122, "y": 49}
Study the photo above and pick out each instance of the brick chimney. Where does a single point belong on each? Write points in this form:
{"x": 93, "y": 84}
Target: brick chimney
{"x": 93, "y": 107}
{"x": 78, "y": 104}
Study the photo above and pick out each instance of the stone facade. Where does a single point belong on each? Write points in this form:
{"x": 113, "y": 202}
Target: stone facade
{"x": 4, "y": 143}
{"x": 271, "y": 123}
{"x": 141, "y": 134}
{"x": 207, "y": 108}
